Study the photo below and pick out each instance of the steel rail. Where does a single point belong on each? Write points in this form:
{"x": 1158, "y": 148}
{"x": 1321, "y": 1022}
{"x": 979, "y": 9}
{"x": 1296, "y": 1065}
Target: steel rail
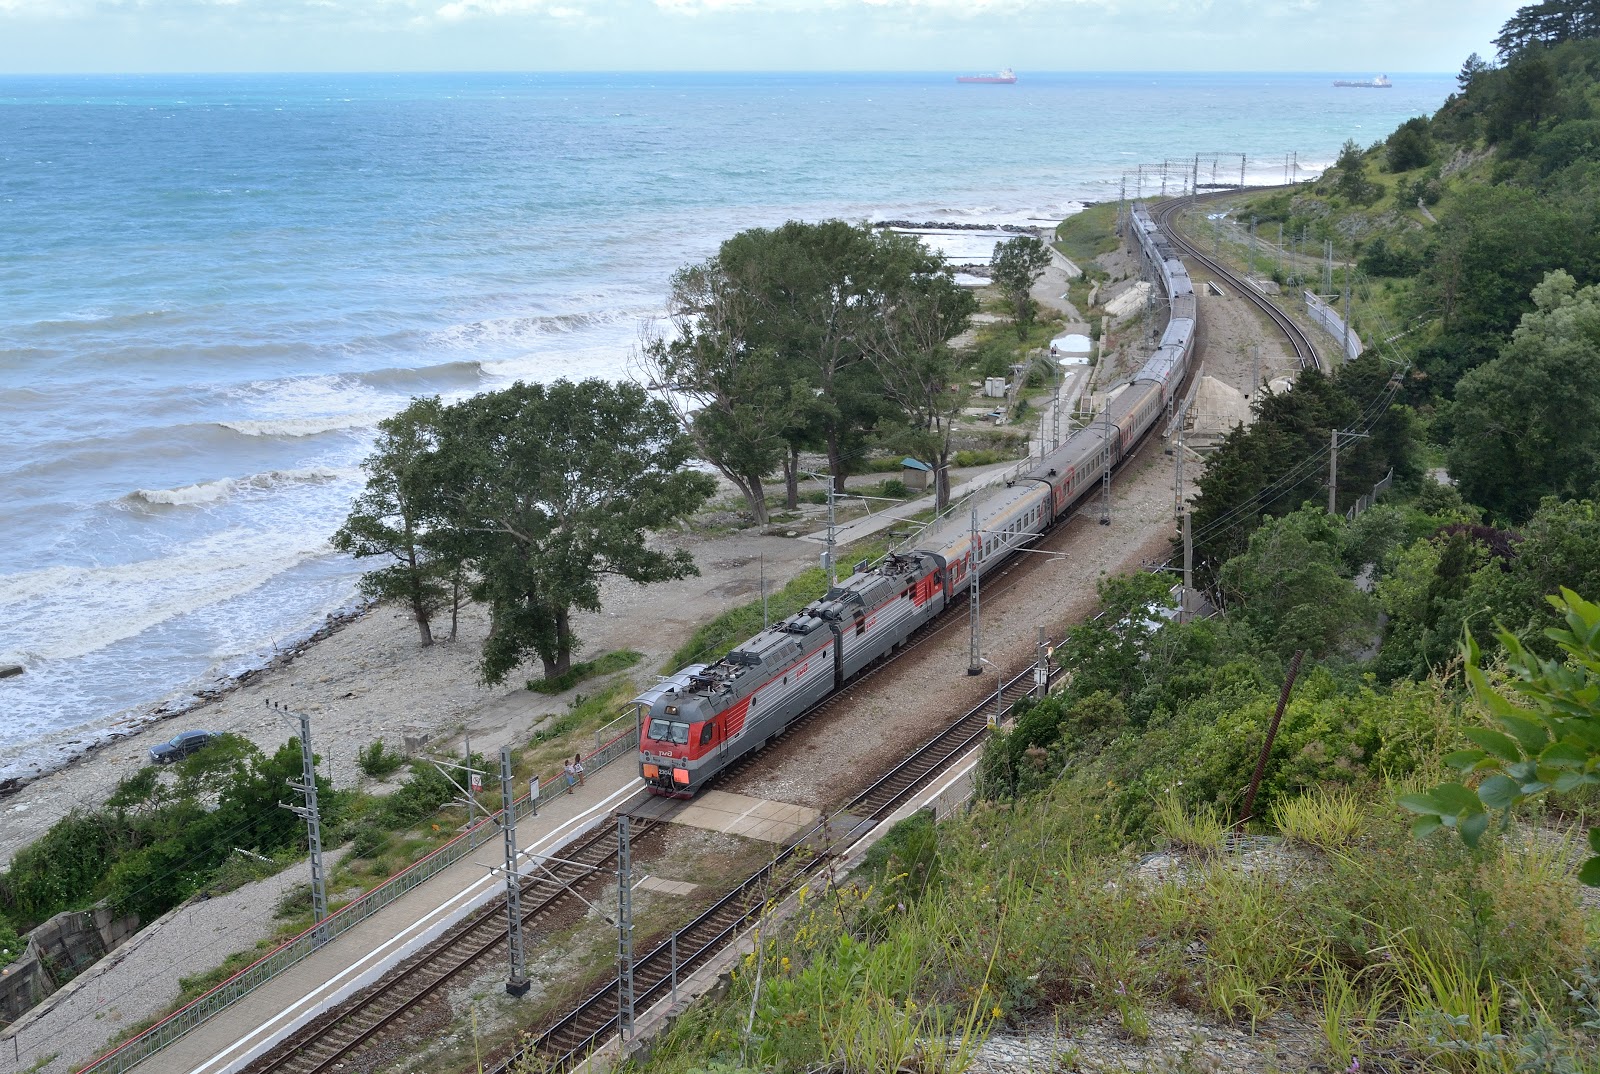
{"x": 1305, "y": 351}
{"x": 581, "y": 1031}
{"x": 326, "y": 1043}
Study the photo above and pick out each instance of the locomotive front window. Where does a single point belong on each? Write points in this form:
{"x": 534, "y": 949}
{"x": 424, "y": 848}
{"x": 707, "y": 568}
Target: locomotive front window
{"x": 669, "y": 731}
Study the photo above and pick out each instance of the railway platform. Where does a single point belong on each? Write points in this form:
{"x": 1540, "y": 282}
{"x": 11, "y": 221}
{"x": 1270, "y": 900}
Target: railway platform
{"x": 234, "y": 1036}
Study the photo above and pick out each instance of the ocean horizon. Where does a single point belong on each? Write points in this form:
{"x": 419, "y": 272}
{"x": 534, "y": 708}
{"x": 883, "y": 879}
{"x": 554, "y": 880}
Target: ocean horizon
{"x": 216, "y": 285}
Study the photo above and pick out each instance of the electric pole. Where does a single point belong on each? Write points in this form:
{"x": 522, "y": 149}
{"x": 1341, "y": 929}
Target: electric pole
{"x": 624, "y": 931}
{"x": 1041, "y": 671}
{"x": 1333, "y": 467}
{"x": 1105, "y": 478}
{"x": 1188, "y": 567}
{"x": 517, "y": 984}
{"x": 974, "y": 625}
{"x": 308, "y": 812}
{"x": 1177, "y": 479}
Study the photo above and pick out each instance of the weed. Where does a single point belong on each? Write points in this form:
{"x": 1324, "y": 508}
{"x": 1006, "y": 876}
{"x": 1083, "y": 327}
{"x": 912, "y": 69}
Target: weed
{"x": 1327, "y": 819}
{"x": 610, "y": 663}
{"x": 1201, "y": 831}
{"x": 378, "y": 762}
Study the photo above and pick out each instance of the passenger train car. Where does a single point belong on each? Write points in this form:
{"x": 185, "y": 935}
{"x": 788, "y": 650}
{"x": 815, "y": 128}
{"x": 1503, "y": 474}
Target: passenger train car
{"x": 703, "y": 718}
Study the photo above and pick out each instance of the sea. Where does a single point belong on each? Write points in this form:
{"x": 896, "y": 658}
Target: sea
{"x": 213, "y": 287}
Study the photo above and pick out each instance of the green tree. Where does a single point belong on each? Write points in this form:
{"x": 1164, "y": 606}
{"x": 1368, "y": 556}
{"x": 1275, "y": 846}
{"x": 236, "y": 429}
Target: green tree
{"x": 1527, "y": 424}
{"x": 392, "y": 517}
{"x": 557, "y": 486}
{"x": 910, "y": 348}
{"x": 736, "y": 399}
{"x": 1017, "y": 263}
{"x": 1350, "y": 176}
{"x": 1287, "y": 586}
{"x": 808, "y": 293}
{"x": 1409, "y": 146}
{"x": 1543, "y": 738}
{"x": 1474, "y": 66}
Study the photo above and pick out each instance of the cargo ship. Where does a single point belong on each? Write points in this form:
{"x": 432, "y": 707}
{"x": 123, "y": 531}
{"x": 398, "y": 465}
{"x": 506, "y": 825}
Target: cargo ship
{"x": 1005, "y": 78}
{"x": 1381, "y": 82}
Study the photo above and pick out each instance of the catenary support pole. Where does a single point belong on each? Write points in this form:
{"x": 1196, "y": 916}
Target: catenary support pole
{"x": 1188, "y": 567}
{"x": 624, "y": 931}
{"x": 517, "y": 983}
{"x": 1041, "y": 670}
{"x": 974, "y": 620}
{"x": 309, "y": 813}
{"x": 1333, "y": 471}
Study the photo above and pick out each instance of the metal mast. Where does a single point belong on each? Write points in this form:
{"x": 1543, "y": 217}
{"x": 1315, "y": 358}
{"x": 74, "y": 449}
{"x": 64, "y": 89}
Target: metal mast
{"x": 624, "y": 931}
{"x": 308, "y": 812}
{"x": 517, "y": 984}
{"x": 975, "y": 642}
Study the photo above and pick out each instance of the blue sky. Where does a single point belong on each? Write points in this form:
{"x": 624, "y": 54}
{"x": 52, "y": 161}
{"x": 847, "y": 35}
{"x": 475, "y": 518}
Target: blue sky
{"x": 1353, "y": 36}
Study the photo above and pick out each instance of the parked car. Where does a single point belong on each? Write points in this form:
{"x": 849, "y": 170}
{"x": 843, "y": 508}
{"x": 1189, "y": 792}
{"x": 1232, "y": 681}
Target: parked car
{"x": 181, "y": 745}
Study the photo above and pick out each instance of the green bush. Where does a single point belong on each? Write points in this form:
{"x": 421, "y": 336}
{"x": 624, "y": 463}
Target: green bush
{"x": 378, "y": 762}
{"x": 12, "y": 946}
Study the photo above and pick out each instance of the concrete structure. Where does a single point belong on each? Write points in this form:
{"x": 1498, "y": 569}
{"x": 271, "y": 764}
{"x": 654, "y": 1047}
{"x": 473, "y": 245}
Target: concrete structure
{"x": 57, "y": 951}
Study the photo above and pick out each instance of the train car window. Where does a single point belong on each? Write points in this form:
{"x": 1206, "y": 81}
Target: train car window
{"x": 708, "y": 729}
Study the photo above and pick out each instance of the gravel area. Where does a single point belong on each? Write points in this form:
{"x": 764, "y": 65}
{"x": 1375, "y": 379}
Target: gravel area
{"x": 1178, "y": 1041}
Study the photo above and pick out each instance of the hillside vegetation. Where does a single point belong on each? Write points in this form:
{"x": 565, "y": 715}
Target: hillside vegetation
{"x": 1448, "y": 677}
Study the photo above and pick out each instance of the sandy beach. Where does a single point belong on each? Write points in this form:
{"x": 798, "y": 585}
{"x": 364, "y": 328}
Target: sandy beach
{"x": 370, "y": 680}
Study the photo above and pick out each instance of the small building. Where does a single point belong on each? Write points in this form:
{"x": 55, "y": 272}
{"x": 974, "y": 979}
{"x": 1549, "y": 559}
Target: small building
{"x": 994, "y": 387}
{"x": 914, "y": 474}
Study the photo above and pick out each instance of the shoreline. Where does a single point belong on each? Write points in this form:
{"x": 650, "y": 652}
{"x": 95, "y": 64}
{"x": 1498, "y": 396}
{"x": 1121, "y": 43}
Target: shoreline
{"x": 362, "y": 676}
{"x": 59, "y": 751}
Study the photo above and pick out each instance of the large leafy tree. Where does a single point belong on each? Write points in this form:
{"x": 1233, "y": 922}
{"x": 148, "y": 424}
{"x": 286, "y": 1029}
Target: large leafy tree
{"x": 1527, "y": 424}
{"x": 735, "y": 398}
{"x": 556, "y": 486}
{"x": 395, "y": 515}
{"x": 909, "y": 346}
{"x": 1287, "y": 586}
{"x": 1016, "y": 264}
{"x": 785, "y": 338}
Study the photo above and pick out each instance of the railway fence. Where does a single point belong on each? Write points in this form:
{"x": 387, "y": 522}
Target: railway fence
{"x": 139, "y": 1048}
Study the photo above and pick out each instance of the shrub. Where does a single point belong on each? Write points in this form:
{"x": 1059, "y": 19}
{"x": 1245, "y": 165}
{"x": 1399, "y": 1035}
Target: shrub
{"x": 11, "y": 945}
{"x": 378, "y": 762}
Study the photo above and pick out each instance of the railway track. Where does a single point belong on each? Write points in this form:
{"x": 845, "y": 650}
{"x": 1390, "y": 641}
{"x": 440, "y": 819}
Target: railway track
{"x": 1305, "y": 351}
{"x": 576, "y": 1035}
{"x": 325, "y": 1044}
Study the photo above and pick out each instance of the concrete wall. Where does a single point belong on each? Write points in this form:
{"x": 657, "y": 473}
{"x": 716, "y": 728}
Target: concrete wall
{"x": 57, "y": 951}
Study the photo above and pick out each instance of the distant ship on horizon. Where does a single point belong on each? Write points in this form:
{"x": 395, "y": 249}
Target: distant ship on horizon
{"x": 1005, "y": 78}
{"x": 1381, "y": 82}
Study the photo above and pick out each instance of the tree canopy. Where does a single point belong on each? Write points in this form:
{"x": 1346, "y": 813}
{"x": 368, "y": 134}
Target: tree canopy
{"x": 1017, "y": 263}
{"x": 810, "y": 336}
{"x": 555, "y": 487}
{"x": 1529, "y": 421}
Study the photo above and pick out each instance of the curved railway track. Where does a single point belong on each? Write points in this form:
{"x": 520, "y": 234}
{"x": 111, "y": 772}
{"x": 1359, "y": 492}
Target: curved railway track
{"x": 325, "y": 1044}
{"x": 1305, "y": 351}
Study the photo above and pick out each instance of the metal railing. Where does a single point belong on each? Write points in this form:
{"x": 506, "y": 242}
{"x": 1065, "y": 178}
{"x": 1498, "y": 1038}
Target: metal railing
{"x": 1325, "y": 315}
{"x": 136, "y": 1049}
